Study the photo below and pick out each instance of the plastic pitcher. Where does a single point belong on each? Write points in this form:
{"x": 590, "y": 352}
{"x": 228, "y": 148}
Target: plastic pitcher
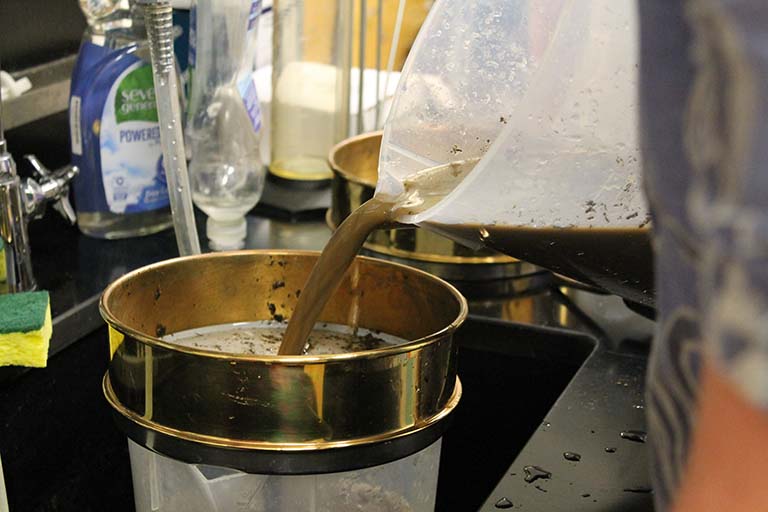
{"x": 539, "y": 98}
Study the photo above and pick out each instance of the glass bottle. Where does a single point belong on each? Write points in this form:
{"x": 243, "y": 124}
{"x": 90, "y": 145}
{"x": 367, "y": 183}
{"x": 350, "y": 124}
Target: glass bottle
{"x": 311, "y": 61}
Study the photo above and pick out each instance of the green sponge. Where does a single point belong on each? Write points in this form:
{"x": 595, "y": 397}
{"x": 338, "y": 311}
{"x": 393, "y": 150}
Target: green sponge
{"x": 25, "y": 329}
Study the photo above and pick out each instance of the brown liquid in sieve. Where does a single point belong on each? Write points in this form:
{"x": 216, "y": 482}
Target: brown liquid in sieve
{"x": 264, "y": 338}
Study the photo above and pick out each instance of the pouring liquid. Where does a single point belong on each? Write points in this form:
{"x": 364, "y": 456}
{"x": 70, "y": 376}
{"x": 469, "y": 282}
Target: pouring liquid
{"x": 423, "y": 190}
{"x": 329, "y": 270}
{"x": 618, "y": 260}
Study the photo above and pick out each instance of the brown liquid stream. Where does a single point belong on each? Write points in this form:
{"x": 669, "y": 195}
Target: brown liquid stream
{"x": 422, "y": 190}
{"x": 329, "y": 270}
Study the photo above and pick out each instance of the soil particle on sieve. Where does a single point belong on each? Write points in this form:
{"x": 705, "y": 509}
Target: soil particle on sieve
{"x": 272, "y": 338}
{"x": 273, "y": 311}
{"x": 366, "y": 342}
{"x": 158, "y": 293}
{"x": 456, "y": 149}
{"x": 278, "y": 284}
{"x": 160, "y": 330}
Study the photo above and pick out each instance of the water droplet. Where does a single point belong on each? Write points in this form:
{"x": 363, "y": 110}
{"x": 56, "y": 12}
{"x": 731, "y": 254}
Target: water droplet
{"x": 639, "y": 490}
{"x": 503, "y": 503}
{"x": 547, "y": 424}
{"x": 484, "y": 234}
{"x": 610, "y": 449}
{"x": 638, "y": 406}
{"x": 571, "y": 456}
{"x": 533, "y": 473}
{"x": 638, "y": 436}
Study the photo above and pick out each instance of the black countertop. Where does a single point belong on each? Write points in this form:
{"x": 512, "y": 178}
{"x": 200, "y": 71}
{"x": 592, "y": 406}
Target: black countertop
{"x": 604, "y": 398}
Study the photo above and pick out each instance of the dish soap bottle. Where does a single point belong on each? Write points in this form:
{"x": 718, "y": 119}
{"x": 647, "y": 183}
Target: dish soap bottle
{"x": 115, "y": 137}
{"x": 224, "y": 118}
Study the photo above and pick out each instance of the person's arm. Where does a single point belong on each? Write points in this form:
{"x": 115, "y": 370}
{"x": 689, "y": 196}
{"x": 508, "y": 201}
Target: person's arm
{"x": 728, "y": 465}
{"x": 704, "y": 91}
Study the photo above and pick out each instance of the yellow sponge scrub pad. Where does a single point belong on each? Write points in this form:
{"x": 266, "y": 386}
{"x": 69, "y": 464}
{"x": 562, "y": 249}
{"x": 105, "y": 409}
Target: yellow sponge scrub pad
{"x": 25, "y": 329}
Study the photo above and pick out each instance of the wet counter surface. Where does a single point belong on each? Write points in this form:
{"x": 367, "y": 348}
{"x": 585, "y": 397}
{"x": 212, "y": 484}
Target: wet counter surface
{"x": 590, "y": 446}
{"x": 510, "y": 416}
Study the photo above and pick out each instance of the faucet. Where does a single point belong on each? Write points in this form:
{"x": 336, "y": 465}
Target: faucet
{"x": 20, "y": 202}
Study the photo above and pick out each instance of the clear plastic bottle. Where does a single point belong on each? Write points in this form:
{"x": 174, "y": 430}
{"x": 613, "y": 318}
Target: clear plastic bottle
{"x": 107, "y": 20}
{"x": 224, "y": 118}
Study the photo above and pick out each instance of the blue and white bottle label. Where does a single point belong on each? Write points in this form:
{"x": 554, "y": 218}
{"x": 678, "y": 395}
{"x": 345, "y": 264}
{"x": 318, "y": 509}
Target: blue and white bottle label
{"x": 129, "y": 139}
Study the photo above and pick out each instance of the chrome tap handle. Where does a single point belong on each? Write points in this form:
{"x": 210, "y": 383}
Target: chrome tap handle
{"x": 50, "y": 186}
{"x": 41, "y": 170}
{"x": 65, "y": 208}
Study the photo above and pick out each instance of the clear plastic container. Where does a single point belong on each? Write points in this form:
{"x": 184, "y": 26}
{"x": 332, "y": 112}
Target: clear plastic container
{"x": 163, "y": 484}
{"x": 224, "y": 120}
{"x": 300, "y": 415}
{"x": 539, "y": 98}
